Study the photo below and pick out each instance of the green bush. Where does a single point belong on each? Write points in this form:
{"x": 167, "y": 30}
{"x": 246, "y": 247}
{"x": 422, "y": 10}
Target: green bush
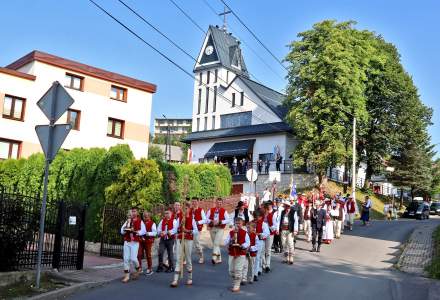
{"x": 434, "y": 268}
{"x": 139, "y": 184}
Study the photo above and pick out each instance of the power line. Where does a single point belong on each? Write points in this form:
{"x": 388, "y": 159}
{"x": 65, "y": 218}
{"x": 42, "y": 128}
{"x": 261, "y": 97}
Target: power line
{"x": 189, "y": 18}
{"x": 166, "y": 57}
{"x": 254, "y": 35}
{"x": 244, "y": 42}
{"x": 180, "y": 48}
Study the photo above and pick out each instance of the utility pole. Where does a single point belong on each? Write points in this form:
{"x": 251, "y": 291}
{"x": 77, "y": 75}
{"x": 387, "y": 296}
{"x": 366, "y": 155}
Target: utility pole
{"x": 167, "y": 142}
{"x": 353, "y": 171}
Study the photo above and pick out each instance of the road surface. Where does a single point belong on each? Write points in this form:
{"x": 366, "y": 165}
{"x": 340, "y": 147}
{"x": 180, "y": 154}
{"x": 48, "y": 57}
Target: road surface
{"x": 358, "y": 266}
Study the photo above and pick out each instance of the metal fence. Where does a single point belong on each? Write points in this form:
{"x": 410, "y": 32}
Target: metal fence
{"x": 63, "y": 246}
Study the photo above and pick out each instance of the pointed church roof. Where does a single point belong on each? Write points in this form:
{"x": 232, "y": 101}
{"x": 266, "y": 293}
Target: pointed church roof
{"x": 227, "y": 52}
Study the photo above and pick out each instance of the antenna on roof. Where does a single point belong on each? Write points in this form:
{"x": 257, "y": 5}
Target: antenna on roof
{"x": 224, "y": 13}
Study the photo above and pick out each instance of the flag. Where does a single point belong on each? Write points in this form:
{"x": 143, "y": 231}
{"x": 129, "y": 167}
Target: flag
{"x": 293, "y": 193}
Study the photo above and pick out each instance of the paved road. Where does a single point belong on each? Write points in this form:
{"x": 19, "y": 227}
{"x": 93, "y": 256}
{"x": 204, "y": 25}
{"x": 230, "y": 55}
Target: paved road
{"x": 358, "y": 266}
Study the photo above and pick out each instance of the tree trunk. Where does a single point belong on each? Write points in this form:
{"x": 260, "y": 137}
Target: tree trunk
{"x": 401, "y": 199}
{"x": 412, "y": 193}
{"x": 347, "y": 164}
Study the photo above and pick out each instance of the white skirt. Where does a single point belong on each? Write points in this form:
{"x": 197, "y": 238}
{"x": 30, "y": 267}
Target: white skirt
{"x": 328, "y": 232}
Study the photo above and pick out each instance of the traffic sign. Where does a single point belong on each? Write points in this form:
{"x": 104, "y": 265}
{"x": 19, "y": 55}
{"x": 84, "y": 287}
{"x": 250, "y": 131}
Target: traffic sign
{"x": 251, "y": 175}
{"x": 59, "y": 134}
{"x": 55, "y": 101}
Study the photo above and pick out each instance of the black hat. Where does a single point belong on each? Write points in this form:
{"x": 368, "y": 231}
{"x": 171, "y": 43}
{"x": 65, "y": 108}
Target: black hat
{"x": 240, "y": 204}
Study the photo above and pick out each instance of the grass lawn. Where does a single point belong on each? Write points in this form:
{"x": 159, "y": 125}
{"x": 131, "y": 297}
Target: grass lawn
{"x": 434, "y": 268}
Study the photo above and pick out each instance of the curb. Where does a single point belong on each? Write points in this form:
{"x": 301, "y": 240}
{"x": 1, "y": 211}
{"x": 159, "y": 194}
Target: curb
{"x": 67, "y": 291}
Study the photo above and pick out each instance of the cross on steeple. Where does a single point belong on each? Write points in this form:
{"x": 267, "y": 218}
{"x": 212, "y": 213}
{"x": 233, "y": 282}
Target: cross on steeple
{"x": 224, "y": 13}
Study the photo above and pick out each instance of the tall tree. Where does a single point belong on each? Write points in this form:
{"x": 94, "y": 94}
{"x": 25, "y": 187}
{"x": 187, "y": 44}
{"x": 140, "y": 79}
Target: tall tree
{"x": 327, "y": 76}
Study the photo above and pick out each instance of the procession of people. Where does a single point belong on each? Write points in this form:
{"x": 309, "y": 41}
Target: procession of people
{"x": 251, "y": 236}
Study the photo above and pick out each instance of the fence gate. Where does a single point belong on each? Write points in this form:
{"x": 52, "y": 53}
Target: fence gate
{"x": 111, "y": 238}
{"x": 63, "y": 246}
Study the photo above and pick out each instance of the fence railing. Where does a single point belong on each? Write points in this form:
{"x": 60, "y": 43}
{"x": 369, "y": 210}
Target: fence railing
{"x": 63, "y": 245}
{"x": 338, "y": 176}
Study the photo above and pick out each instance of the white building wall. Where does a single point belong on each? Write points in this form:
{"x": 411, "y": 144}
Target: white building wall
{"x": 95, "y": 111}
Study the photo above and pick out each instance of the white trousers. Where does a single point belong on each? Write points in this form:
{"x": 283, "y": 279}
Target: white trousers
{"x": 351, "y": 218}
{"x": 337, "y": 227}
{"x": 308, "y": 229}
{"x": 217, "y": 239}
{"x": 258, "y": 266}
{"x": 267, "y": 251}
{"x": 288, "y": 244}
{"x": 187, "y": 252}
{"x": 130, "y": 254}
{"x": 197, "y": 245}
{"x": 248, "y": 269}
{"x": 236, "y": 269}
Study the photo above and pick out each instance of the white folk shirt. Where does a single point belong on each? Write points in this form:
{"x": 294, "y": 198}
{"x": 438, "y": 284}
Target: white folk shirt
{"x": 173, "y": 230}
{"x": 226, "y": 221}
{"x": 246, "y": 244}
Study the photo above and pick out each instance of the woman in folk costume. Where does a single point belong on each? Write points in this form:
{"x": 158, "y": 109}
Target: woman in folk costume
{"x": 186, "y": 231}
{"x": 327, "y": 235}
{"x": 263, "y": 232}
{"x": 238, "y": 243}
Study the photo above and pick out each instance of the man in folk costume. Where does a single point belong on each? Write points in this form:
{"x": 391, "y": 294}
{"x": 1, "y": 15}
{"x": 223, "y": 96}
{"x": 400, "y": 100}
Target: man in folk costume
{"x": 271, "y": 219}
{"x": 200, "y": 218}
{"x": 277, "y": 244}
{"x": 317, "y": 218}
{"x": 217, "y": 218}
{"x": 288, "y": 229}
{"x": 263, "y": 232}
{"x": 237, "y": 242}
{"x": 351, "y": 211}
{"x": 132, "y": 230}
{"x": 307, "y": 220}
{"x": 146, "y": 243}
{"x": 187, "y": 229}
{"x": 249, "y": 267}
{"x": 167, "y": 230}
{"x": 338, "y": 218}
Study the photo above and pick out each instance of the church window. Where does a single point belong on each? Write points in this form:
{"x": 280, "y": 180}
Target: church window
{"x": 214, "y": 104}
{"x": 200, "y": 78}
{"x": 215, "y": 75}
{"x": 241, "y": 98}
{"x": 198, "y": 124}
{"x": 206, "y": 123}
{"x": 233, "y": 99}
{"x": 236, "y": 119}
{"x": 213, "y": 122}
{"x": 199, "y": 102}
{"x": 207, "y": 100}
{"x": 208, "y": 77}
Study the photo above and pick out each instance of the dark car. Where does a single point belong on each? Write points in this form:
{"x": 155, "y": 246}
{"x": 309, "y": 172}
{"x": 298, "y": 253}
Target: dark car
{"x": 435, "y": 208}
{"x": 418, "y": 210}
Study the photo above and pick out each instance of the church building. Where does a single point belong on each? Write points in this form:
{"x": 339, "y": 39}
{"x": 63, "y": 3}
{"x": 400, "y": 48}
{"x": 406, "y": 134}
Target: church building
{"x": 236, "y": 120}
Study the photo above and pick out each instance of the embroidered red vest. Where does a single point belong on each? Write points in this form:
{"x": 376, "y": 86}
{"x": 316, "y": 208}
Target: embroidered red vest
{"x": 269, "y": 219}
{"x": 133, "y": 237}
{"x": 307, "y": 213}
{"x": 236, "y": 251}
{"x": 221, "y": 216}
{"x": 253, "y": 237}
{"x": 188, "y": 226}
{"x": 198, "y": 217}
{"x": 259, "y": 228}
{"x": 351, "y": 207}
{"x": 170, "y": 224}
{"x": 149, "y": 228}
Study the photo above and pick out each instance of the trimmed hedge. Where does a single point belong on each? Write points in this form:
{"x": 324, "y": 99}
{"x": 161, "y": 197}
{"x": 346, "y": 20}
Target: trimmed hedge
{"x": 97, "y": 176}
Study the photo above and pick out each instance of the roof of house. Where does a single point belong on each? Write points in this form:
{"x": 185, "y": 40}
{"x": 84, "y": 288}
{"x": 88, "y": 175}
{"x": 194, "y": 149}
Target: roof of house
{"x": 273, "y": 99}
{"x": 258, "y": 129}
{"x": 228, "y": 50}
{"x": 17, "y": 74}
{"x": 82, "y": 69}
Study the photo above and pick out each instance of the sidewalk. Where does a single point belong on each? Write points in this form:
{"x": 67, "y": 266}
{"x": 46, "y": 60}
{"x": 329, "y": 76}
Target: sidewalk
{"x": 419, "y": 250}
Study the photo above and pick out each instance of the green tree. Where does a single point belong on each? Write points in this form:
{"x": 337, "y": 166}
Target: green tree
{"x": 326, "y": 88}
{"x": 435, "y": 186}
{"x": 10, "y": 172}
{"x": 155, "y": 153}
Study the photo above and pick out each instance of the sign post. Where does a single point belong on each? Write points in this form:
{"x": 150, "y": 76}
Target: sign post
{"x": 54, "y": 104}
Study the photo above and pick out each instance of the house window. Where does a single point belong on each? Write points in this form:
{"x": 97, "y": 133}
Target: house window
{"x": 9, "y": 149}
{"x": 200, "y": 78}
{"x": 214, "y": 104}
{"x": 233, "y": 99}
{"x": 199, "y": 103}
{"x": 74, "y": 82}
{"x": 236, "y": 119}
{"x": 118, "y": 93}
{"x": 73, "y": 118}
{"x": 215, "y": 75}
{"x": 13, "y": 108}
{"x": 213, "y": 122}
{"x": 206, "y": 124}
{"x": 207, "y": 100}
{"x": 208, "y": 77}
{"x": 241, "y": 98}
{"x": 115, "y": 128}
{"x": 198, "y": 124}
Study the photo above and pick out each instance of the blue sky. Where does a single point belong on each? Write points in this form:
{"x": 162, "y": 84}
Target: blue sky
{"x": 77, "y": 30}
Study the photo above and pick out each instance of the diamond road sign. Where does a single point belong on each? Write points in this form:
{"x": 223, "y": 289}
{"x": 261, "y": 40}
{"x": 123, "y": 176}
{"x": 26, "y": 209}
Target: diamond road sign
{"x": 55, "y": 101}
{"x": 59, "y": 134}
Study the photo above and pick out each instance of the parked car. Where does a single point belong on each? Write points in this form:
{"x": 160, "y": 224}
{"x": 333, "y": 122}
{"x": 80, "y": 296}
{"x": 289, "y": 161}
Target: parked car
{"x": 435, "y": 208}
{"x": 418, "y": 210}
